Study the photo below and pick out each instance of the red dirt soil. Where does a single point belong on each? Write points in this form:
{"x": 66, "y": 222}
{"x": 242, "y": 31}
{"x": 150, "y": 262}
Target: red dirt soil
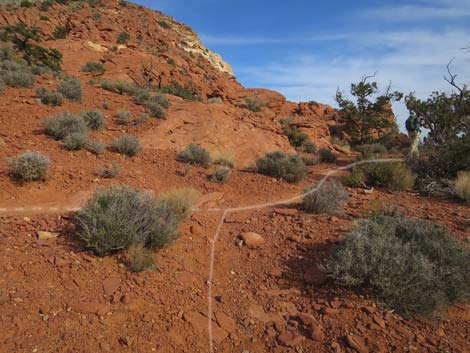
{"x": 56, "y": 297}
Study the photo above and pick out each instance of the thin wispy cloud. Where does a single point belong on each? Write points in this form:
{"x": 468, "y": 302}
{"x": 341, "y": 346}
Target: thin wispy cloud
{"x": 228, "y": 40}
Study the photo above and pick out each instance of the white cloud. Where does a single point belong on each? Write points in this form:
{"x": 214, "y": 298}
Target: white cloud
{"x": 229, "y": 40}
{"x": 412, "y": 60}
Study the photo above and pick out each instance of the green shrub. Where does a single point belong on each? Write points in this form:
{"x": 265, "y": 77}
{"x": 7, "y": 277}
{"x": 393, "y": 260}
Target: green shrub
{"x": 94, "y": 67}
{"x": 140, "y": 258}
{"x": 195, "y": 154}
{"x": 163, "y": 24}
{"x": 156, "y": 110}
{"x": 278, "y": 164}
{"x": 71, "y": 88}
{"x": 393, "y": 175}
{"x": 120, "y": 87}
{"x": 2, "y": 86}
{"x": 118, "y": 217}
{"x": 309, "y": 147}
{"x": 124, "y": 117}
{"x": 180, "y": 201}
{"x": 60, "y": 33}
{"x": 7, "y": 53}
{"x": 412, "y": 265}
{"x": 221, "y": 174}
{"x": 225, "y": 159}
{"x": 355, "y": 178}
{"x": 94, "y": 119}
{"x": 127, "y": 145}
{"x": 60, "y": 126}
{"x": 462, "y": 186}
{"x": 18, "y": 79}
{"x": 75, "y": 141}
{"x": 296, "y": 137}
{"x": 109, "y": 172}
{"x": 50, "y": 98}
{"x": 372, "y": 149}
{"x": 96, "y": 147}
{"x": 29, "y": 166}
{"x": 327, "y": 156}
{"x": 123, "y": 38}
{"x": 141, "y": 119}
{"x": 310, "y": 161}
{"x": 141, "y": 96}
{"x": 26, "y": 3}
{"x": 325, "y": 198}
{"x": 188, "y": 93}
{"x": 253, "y": 105}
{"x": 160, "y": 99}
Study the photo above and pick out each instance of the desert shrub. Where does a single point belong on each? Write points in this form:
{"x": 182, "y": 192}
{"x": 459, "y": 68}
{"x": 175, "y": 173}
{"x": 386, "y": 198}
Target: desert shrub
{"x": 124, "y": 117}
{"x": 355, "y": 178}
{"x": 180, "y": 201}
{"x": 18, "y": 79}
{"x": 2, "y": 86}
{"x": 309, "y": 147}
{"x": 296, "y": 137}
{"x": 195, "y": 154}
{"x": 127, "y": 145}
{"x": 26, "y": 3}
{"x": 140, "y": 258}
{"x": 253, "y": 105}
{"x": 120, "y": 87}
{"x": 327, "y": 156}
{"x": 221, "y": 174}
{"x": 75, "y": 141}
{"x": 188, "y": 92}
{"x": 161, "y": 100}
{"x": 71, "y": 88}
{"x": 141, "y": 119}
{"x": 94, "y": 67}
{"x": 278, "y": 164}
{"x": 141, "y": 96}
{"x": 164, "y": 24}
{"x": 50, "y": 98}
{"x": 309, "y": 161}
{"x": 372, "y": 149}
{"x": 156, "y": 110}
{"x": 123, "y": 38}
{"x": 393, "y": 175}
{"x": 225, "y": 159}
{"x": 96, "y": 147}
{"x": 60, "y": 33}
{"x": 118, "y": 217}
{"x": 64, "y": 124}
{"x": 7, "y": 53}
{"x": 94, "y": 119}
{"x": 412, "y": 265}
{"x": 109, "y": 172}
{"x": 324, "y": 198}
{"x": 29, "y": 166}
{"x": 462, "y": 186}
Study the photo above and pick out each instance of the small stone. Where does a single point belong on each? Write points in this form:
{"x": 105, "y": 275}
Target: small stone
{"x": 317, "y": 334}
{"x": 290, "y": 339}
{"x": 329, "y": 311}
{"x": 195, "y": 229}
{"x": 46, "y": 235}
{"x": 379, "y": 321}
{"x": 252, "y": 240}
{"x": 357, "y": 343}
{"x": 369, "y": 309}
{"x": 110, "y": 285}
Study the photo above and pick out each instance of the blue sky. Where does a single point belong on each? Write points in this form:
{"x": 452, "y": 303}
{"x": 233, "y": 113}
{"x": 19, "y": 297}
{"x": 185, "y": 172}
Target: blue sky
{"x": 307, "y": 49}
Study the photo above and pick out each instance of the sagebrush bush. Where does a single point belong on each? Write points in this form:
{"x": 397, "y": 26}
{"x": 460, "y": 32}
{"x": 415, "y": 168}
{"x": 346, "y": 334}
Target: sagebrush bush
{"x": 50, "y": 98}
{"x": 141, "y": 119}
{"x": 94, "y": 119}
{"x": 309, "y": 147}
{"x": 278, "y": 164}
{"x": 155, "y": 110}
{"x": 180, "y": 201}
{"x": 324, "y": 198}
{"x": 2, "y": 86}
{"x": 64, "y": 124}
{"x": 124, "y": 117}
{"x": 221, "y": 174}
{"x": 296, "y": 137}
{"x": 462, "y": 186}
{"x": 372, "y": 149}
{"x": 140, "y": 258}
{"x": 127, "y": 145}
{"x": 161, "y": 100}
{"x": 109, "y": 172}
{"x": 123, "y": 38}
{"x": 355, "y": 178}
{"x": 393, "y": 175}
{"x": 195, "y": 154}
{"x": 225, "y": 159}
{"x": 96, "y": 147}
{"x": 18, "y": 79}
{"x": 94, "y": 67}
{"x": 327, "y": 156}
{"x": 75, "y": 141}
{"x": 71, "y": 88}
{"x": 412, "y": 265}
{"x": 29, "y": 166}
{"x": 118, "y": 217}
{"x": 120, "y": 87}
{"x": 141, "y": 96}
{"x": 254, "y": 105}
